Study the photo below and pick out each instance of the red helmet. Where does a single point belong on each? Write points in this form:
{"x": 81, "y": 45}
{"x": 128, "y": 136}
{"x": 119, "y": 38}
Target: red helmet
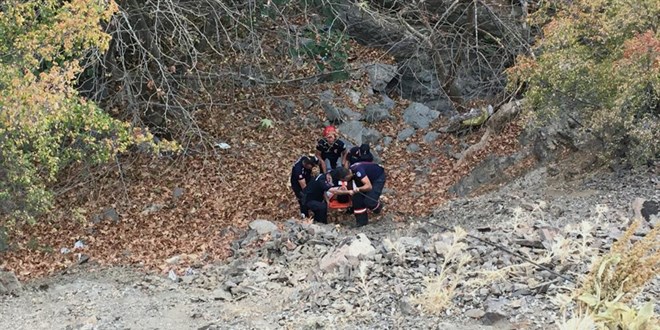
{"x": 329, "y": 130}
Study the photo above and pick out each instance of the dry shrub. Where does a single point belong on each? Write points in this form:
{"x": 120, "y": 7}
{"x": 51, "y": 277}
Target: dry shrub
{"x": 604, "y": 298}
{"x": 440, "y": 290}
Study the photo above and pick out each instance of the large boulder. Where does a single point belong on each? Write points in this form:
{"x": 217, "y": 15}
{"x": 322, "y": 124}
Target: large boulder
{"x": 376, "y": 112}
{"x": 357, "y": 134}
{"x": 380, "y": 75}
{"x": 419, "y": 116}
{"x": 263, "y": 227}
{"x": 333, "y": 114}
{"x": 358, "y": 247}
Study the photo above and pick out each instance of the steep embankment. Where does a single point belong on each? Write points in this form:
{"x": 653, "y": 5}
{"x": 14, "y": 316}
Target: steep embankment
{"x": 310, "y": 277}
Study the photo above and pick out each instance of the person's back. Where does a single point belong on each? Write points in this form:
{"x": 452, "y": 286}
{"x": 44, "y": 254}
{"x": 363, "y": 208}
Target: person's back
{"x": 314, "y": 199}
{"x": 372, "y": 170}
{"x": 368, "y": 180}
{"x": 360, "y": 154}
{"x": 316, "y": 188}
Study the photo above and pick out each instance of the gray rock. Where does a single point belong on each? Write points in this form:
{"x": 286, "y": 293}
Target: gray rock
{"x": 354, "y": 96}
{"x": 406, "y": 308}
{"x": 153, "y": 208}
{"x": 413, "y": 148}
{"x": 475, "y": 313}
{"x": 9, "y": 283}
{"x": 360, "y": 246}
{"x": 491, "y": 318}
{"x": 388, "y": 102}
{"x": 352, "y": 130}
{"x": 430, "y": 137}
{"x": 350, "y": 114}
{"x": 644, "y": 209}
{"x": 380, "y": 75}
{"x": 331, "y": 112}
{"x": 108, "y": 214}
{"x": 371, "y": 136}
{"x": 356, "y": 133}
{"x": 327, "y": 96}
{"x": 405, "y": 134}
{"x": 490, "y": 171}
{"x": 410, "y": 242}
{"x": 263, "y": 227}
{"x": 178, "y": 192}
{"x": 4, "y": 240}
{"x": 418, "y": 115}
{"x": 387, "y": 140}
{"x": 504, "y": 115}
{"x": 376, "y": 112}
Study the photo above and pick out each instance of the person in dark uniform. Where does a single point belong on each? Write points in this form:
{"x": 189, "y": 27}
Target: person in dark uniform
{"x": 301, "y": 175}
{"x": 333, "y": 149}
{"x": 360, "y": 154}
{"x": 317, "y": 194}
{"x": 368, "y": 183}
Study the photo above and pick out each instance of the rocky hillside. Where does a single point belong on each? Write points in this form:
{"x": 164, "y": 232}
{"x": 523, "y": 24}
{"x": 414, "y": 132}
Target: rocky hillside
{"x": 391, "y": 275}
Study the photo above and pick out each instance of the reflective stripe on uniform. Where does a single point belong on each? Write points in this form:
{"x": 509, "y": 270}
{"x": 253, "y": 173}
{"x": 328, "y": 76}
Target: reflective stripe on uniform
{"x": 360, "y": 211}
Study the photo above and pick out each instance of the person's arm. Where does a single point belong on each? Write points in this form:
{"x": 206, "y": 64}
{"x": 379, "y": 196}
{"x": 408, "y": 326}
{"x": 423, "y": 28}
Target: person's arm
{"x": 319, "y": 155}
{"x": 303, "y": 183}
{"x": 366, "y": 186}
{"x": 339, "y": 191}
{"x": 344, "y": 158}
{"x": 326, "y": 197}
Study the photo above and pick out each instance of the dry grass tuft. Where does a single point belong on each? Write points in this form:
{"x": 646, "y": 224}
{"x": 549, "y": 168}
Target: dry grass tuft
{"x": 440, "y": 290}
{"x": 604, "y": 296}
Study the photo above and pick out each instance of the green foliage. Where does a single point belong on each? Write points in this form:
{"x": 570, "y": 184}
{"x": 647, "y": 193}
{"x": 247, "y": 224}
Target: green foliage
{"x": 44, "y": 124}
{"x": 266, "y": 123}
{"x": 600, "y": 61}
{"x": 328, "y": 50}
{"x": 323, "y": 42}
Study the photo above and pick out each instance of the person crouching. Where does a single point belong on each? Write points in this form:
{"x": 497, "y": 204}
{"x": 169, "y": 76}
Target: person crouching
{"x": 317, "y": 194}
{"x": 368, "y": 182}
{"x": 301, "y": 175}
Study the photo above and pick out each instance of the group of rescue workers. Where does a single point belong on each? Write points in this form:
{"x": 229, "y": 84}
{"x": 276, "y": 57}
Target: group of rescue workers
{"x": 364, "y": 180}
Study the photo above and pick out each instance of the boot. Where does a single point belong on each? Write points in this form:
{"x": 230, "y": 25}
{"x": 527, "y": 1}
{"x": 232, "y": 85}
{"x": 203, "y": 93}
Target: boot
{"x": 378, "y": 208}
{"x": 362, "y": 219}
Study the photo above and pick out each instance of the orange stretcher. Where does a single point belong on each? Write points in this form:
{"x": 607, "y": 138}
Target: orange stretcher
{"x": 338, "y": 205}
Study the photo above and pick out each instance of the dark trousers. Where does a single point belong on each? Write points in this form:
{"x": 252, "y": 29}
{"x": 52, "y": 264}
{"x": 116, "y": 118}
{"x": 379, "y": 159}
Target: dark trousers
{"x": 320, "y": 210}
{"x": 299, "y": 196}
{"x": 368, "y": 200}
{"x": 333, "y": 163}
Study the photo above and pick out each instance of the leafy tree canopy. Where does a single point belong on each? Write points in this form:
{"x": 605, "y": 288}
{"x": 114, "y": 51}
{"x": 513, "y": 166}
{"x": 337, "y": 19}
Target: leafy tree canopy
{"x": 599, "y": 60}
{"x": 44, "y": 123}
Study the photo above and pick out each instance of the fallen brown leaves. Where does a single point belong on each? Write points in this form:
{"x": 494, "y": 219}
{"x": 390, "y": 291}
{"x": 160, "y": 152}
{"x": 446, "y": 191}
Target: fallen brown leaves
{"x": 223, "y": 190}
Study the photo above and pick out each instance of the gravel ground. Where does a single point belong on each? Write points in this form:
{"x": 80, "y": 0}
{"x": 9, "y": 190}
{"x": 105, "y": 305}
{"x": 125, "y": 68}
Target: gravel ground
{"x": 293, "y": 279}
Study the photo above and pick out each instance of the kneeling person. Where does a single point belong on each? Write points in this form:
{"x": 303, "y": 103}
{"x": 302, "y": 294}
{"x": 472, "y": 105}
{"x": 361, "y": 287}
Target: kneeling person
{"x": 315, "y": 196}
{"x": 301, "y": 175}
{"x": 368, "y": 182}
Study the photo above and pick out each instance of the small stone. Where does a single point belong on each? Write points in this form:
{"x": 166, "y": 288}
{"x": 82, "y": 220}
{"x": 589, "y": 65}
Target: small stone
{"x": 263, "y": 227}
{"x": 173, "y": 260}
{"x": 475, "y": 313}
{"x": 406, "y": 308}
{"x": 491, "y": 318}
{"x": 220, "y": 294}
{"x": 9, "y": 283}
